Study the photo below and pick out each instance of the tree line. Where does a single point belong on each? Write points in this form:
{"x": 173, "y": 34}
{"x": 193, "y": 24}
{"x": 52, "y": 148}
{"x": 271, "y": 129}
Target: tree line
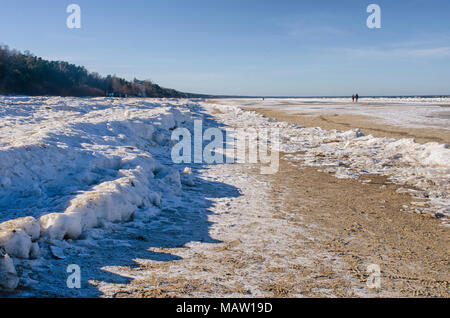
{"x": 27, "y": 74}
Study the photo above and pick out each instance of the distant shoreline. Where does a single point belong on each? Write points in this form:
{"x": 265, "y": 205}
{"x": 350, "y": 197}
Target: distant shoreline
{"x": 343, "y": 96}
{"x": 205, "y": 96}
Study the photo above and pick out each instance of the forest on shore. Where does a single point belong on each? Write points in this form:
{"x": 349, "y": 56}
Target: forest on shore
{"x": 27, "y": 74}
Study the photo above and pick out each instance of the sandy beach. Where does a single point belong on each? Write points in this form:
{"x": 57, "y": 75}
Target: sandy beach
{"x": 315, "y": 235}
{"x": 368, "y": 222}
{"x": 340, "y": 203}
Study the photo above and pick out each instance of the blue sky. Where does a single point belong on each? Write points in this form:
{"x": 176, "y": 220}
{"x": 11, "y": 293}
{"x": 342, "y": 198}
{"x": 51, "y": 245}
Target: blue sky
{"x": 246, "y": 47}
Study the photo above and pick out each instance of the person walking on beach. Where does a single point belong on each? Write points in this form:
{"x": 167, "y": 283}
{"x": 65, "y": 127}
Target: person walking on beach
{"x": 353, "y": 98}
{"x": 356, "y": 97}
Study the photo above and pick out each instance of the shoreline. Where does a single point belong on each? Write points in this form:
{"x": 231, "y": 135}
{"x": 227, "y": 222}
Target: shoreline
{"x": 369, "y": 125}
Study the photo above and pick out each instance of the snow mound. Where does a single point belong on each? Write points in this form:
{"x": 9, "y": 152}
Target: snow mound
{"x": 8, "y": 275}
{"x": 18, "y": 237}
{"x": 68, "y": 165}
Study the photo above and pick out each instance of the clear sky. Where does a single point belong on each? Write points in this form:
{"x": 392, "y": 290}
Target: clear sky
{"x": 246, "y": 47}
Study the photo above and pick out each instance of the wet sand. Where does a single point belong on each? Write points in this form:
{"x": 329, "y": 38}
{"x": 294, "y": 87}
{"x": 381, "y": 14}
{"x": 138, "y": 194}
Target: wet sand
{"x": 361, "y": 224}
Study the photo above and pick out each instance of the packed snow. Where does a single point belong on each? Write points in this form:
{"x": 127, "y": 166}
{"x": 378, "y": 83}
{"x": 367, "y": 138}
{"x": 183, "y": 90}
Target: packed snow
{"x": 74, "y": 171}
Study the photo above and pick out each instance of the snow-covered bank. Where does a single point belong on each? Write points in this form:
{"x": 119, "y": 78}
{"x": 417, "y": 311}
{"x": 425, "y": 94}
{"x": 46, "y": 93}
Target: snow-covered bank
{"x": 68, "y": 165}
